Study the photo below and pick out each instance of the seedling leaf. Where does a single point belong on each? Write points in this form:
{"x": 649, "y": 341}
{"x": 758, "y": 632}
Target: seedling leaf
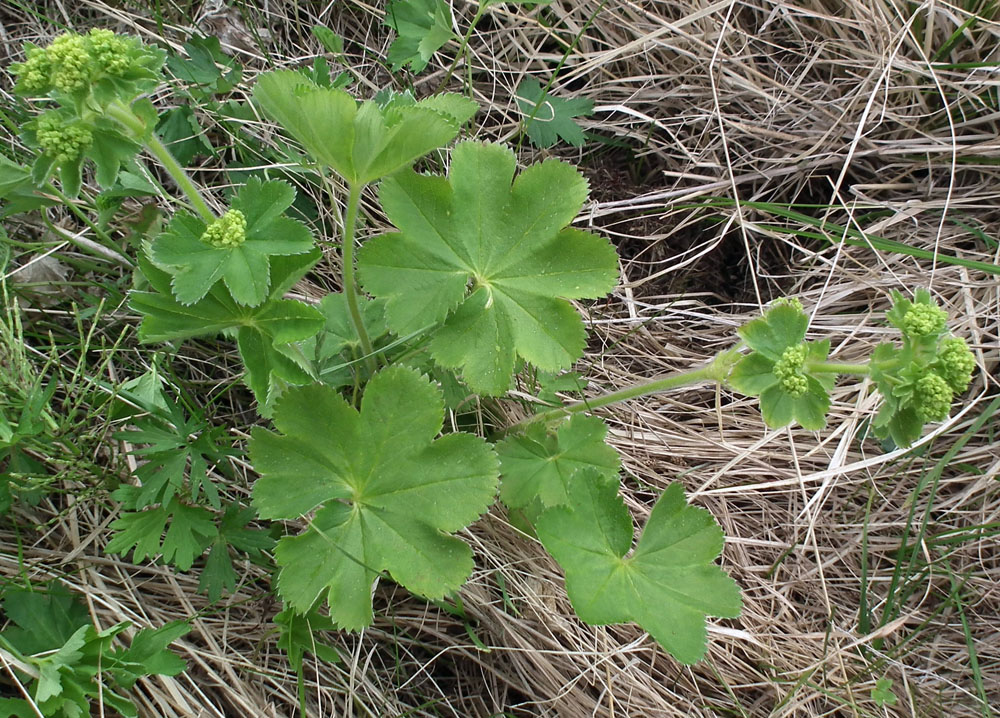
{"x": 548, "y": 119}
{"x": 667, "y": 585}
{"x": 422, "y": 26}
{"x": 507, "y": 238}
{"x": 388, "y": 493}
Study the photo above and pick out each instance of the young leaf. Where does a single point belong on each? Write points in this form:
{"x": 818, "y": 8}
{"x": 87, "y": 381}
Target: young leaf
{"x": 548, "y": 119}
{"x": 669, "y": 582}
{"x": 540, "y": 465}
{"x": 243, "y": 263}
{"x": 386, "y": 493}
{"x": 506, "y": 237}
{"x": 422, "y": 28}
{"x": 361, "y": 143}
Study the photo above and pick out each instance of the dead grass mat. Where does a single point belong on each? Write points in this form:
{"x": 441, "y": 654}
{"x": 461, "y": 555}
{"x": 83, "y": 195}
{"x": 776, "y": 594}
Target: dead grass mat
{"x": 862, "y": 108}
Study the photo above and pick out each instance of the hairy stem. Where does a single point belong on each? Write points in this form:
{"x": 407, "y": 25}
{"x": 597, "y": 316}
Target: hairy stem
{"x": 124, "y": 116}
{"x": 832, "y": 367}
{"x": 716, "y": 371}
{"x": 350, "y": 284}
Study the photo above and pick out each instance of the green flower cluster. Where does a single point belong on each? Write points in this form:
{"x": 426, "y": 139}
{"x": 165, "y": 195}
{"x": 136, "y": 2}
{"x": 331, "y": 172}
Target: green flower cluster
{"x": 73, "y": 62}
{"x": 227, "y": 232}
{"x": 62, "y": 141}
{"x": 920, "y": 379}
{"x": 923, "y": 320}
{"x": 789, "y": 370}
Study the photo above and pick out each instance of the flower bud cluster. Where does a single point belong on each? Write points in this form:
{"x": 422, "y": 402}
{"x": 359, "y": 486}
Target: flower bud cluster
{"x": 932, "y": 397}
{"x": 227, "y": 232}
{"x": 62, "y": 141}
{"x": 789, "y": 370}
{"x": 923, "y": 320}
{"x": 72, "y": 62}
{"x": 955, "y": 363}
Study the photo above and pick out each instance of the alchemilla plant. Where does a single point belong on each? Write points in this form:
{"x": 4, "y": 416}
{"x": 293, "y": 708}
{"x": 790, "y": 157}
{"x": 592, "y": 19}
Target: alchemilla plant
{"x": 472, "y": 286}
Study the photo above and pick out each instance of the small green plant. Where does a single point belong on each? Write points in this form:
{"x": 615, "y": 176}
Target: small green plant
{"x": 64, "y": 662}
{"x": 470, "y": 292}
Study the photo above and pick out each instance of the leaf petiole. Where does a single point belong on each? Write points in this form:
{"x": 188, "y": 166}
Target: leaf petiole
{"x": 350, "y": 283}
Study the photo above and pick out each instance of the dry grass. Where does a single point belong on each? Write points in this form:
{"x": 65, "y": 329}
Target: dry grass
{"x": 821, "y": 103}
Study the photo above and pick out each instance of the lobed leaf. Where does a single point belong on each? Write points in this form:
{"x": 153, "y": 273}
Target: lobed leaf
{"x": 540, "y": 465}
{"x": 547, "y": 119}
{"x": 506, "y": 238}
{"x": 245, "y": 269}
{"x": 668, "y": 584}
{"x": 361, "y": 143}
{"x": 387, "y": 494}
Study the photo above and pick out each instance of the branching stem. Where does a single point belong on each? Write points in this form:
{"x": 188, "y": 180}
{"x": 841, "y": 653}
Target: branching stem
{"x": 832, "y": 367}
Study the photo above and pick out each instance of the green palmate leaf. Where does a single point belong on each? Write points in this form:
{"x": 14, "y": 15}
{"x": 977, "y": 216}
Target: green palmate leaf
{"x": 667, "y": 584}
{"x": 422, "y": 28}
{"x": 43, "y": 619}
{"x": 782, "y": 326}
{"x": 541, "y": 465}
{"x": 548, "y": 119}
{"x": 386, "y": 493}
{"x": 365, "y": 142}
{"x": 275, "y": 322}
{"x": 508, "y": 239}
{"x": 244, "y": 266}
{"x": 190, "y": 532}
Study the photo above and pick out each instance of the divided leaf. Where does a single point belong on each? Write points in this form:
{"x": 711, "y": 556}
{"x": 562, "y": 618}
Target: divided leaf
{"x": 245, "y": 267}
{"x": 507, "y": 238}
{"x": 548, "y": 119}
{"x": 669, "y": 582}
{"x": 365, "y": 142}
{"x": 387, "y": 495}
{"x": 539, "y": 465}
{"x": 422, "y": 26}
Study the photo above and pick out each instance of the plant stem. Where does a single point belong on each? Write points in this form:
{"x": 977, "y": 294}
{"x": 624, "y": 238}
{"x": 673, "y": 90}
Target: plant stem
{"x": 350, "y": 285}
{"x": 832, "y": 367}
{"x": 716, "y": 371}
{"x": 463, "y": 45}
{"x": 124, "y": 116}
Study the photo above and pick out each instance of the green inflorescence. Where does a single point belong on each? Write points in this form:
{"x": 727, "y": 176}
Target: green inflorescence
{"x": 228, "y": 231}
{"x": 72, "y": 62}
{"x": 69, "y": 61}
{"x": 789, "y": 371}
{"x": 955, "y": 363}
{"x": 924, "y": 320}
{"x": 932, "y": 397}
{"x": 110, "y": 52}
{"x": 63, "y": 142}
